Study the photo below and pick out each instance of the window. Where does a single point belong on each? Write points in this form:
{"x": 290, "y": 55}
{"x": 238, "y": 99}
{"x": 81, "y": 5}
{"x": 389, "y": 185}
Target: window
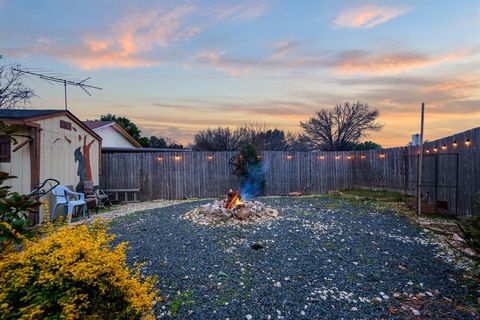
{"x": 5, "y": 149}
{"x": 65, "y": 125}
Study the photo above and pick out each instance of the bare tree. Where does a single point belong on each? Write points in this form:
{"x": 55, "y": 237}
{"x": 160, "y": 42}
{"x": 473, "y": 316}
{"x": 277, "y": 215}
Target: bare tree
{"x": 13, "y": 93}
{"x": 219, "y": 139}
{"x": 341, "y": 127}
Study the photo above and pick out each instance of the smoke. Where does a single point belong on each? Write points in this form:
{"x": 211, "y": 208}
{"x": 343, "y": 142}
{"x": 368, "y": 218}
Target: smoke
{"x": 253, "y": 183}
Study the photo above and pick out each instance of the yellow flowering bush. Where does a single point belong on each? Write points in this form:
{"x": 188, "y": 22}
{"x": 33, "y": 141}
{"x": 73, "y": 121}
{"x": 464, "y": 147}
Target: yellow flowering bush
{"x": 73, "y": 273}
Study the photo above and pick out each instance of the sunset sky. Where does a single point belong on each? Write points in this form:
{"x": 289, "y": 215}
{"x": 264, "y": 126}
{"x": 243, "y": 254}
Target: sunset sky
{"x": 175, "y": 67}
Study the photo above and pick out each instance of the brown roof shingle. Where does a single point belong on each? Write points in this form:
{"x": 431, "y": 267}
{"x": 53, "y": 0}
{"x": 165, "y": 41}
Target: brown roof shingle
{"x": 93, "y": 124}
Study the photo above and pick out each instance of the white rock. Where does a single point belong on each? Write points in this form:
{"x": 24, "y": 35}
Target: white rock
{"x": 354, "y": 309}
{"x": 456, "y": 237}
{"x": 249, "y": 317}
{"x": 415, "y": 311}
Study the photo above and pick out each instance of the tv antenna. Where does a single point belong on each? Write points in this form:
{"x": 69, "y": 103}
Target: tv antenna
{"x": 48, "y": 76}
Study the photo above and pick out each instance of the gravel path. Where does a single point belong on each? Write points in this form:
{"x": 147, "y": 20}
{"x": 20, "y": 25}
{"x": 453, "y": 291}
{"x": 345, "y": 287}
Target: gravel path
{"x": 324, "y": 258}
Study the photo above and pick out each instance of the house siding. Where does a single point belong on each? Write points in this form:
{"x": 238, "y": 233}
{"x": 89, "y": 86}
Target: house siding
{"x": 57, "y": 151}
{"x": 19, "y": 165}
{"x": 112, "y": 138}
{"x": 57, "y": 157}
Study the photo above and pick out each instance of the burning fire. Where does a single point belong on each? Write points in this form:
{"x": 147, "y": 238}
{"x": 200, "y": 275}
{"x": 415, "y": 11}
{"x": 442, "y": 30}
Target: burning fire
{"x": 233, "y": 199}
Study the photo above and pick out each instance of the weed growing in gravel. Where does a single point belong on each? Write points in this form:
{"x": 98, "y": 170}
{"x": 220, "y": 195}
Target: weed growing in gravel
{"x": 182, "y": 299}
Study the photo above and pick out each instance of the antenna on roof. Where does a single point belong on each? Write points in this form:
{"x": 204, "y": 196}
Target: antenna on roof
{"x": 47, "y": 75}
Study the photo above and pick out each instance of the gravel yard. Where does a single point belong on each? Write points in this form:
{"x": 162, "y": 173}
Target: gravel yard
{"x": 323, "y": 258}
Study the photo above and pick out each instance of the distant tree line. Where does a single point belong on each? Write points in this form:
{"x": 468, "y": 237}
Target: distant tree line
{"x": 226, "y": 139}
{"x": 338, "y": 129}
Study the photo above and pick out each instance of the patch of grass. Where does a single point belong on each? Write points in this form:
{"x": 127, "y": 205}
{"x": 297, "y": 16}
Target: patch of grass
{"x": 379, "y": 200}
{"x": 230, "y": 294}
{"x": 221, "y": 301}
{"x": 330, "y": 245}
{"x": 181, "y": 299}
{"x": 304, "y": 213}
{"x": 351, "y": 278}
{"x": 375, "y": 195}
{"x": 332, "y": 205}
{"x": 471, "y": 226}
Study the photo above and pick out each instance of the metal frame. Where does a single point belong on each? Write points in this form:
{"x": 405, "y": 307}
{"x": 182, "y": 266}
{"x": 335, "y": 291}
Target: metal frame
{"x": 81, "y": 84}
{"x": 434, "y": 183}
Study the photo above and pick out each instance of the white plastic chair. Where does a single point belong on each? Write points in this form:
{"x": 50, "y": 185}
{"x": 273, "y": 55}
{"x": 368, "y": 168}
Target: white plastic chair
{"x": 62, "y": 197}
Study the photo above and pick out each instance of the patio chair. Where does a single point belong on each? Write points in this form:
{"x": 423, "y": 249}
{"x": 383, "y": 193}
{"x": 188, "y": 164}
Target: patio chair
{"x": 102, "y": 197}
{"x": 94, "y": 192}
{"x": 67, "y": 198}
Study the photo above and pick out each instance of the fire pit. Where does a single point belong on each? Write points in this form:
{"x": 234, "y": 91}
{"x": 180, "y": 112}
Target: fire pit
{"x": 231, "y": 210}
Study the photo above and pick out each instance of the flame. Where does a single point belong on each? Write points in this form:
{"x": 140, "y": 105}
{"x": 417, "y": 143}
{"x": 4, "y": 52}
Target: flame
{"x": 233, "y": 201}
{"x": 237, "y": 202}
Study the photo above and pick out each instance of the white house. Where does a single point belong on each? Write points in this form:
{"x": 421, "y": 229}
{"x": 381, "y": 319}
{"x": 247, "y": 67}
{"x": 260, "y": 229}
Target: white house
{"x": 112, "y": 134}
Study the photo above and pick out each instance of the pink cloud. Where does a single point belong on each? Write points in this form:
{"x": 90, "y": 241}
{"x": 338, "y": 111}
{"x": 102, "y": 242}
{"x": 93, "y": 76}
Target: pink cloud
{"x": 219, "y": 61}
{"x": 368, "y": 16}
{"x": 359, "y": 62}
{"x": 126, "y": 44}
{"x": 133, "y": 36}
{"x": 283, "y": 48}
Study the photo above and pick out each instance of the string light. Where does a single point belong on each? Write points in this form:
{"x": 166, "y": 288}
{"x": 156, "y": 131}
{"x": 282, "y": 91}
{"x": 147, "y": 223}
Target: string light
{"x": 428, "y": 150}
{"x": 444, "y": 147}
{"x": 467, "y": 142}
{"x": 455, "y": 143}
{"x": 322, "y": 157}
{"x": 289, "y": 157}
{"x": 350, "y": 157}
{"x": 160, "y": 158}
{"x": 210, "y": 157}
{"x": 178, "y": 158}
{"x": 435, "y": 149}
{"x": 363, "y": 156}
{"x": 337, "y": 157}
{"x": 382, "y": 155}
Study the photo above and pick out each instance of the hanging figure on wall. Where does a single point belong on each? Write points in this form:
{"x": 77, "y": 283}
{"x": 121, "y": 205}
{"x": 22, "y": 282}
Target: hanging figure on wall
{"x": 81, "y": 172}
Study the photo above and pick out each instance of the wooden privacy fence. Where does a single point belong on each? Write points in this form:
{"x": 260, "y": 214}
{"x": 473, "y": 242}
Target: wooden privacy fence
{"x": 173, "y": 175}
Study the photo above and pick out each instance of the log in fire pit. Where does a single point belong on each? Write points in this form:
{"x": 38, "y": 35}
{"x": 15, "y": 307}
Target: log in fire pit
{"x": 231, "y": 210}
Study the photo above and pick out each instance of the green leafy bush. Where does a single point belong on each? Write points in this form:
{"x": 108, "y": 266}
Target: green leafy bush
{"x": 14, "y": 207}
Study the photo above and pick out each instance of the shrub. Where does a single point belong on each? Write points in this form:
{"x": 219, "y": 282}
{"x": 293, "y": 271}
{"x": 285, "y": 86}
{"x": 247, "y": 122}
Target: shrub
{"x": 73, "y": 273}
{"x": 14, "y": 207}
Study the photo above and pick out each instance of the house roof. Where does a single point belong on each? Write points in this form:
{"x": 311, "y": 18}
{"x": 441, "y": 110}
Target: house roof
{"x": 27, "y": 113}
{"x": 28, "y": 116}
{"x": 130, "y": 150}
{"x": 94, "y": 124}
{"x": 97, "y": 124}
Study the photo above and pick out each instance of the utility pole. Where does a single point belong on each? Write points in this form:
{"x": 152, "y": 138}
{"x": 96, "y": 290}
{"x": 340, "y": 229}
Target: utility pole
{"x": 420, "y": 163}
{"x": 65, "y": 82}
{"x": 65, "y": 87}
